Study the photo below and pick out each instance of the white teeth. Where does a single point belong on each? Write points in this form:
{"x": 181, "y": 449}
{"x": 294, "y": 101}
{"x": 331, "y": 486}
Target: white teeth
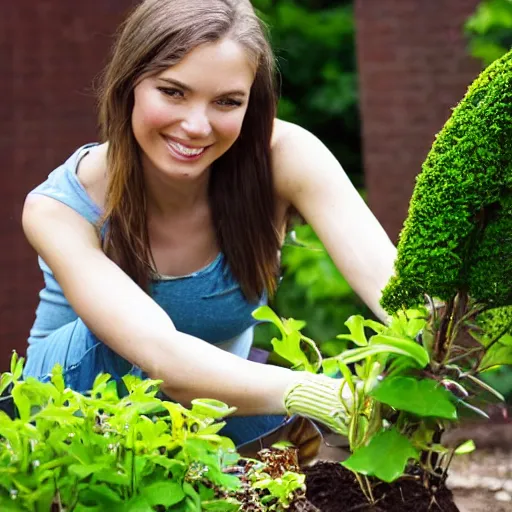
{"x": 184, "y": 150}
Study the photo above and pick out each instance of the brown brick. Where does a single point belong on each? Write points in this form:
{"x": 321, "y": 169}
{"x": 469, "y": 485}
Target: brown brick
{"x": 50, "y": 52}
{"x": 413, "y": 68}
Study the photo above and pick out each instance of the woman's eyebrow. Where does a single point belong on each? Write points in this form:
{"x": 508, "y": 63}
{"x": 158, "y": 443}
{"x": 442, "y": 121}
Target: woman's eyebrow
{"x": 185, "y": 87}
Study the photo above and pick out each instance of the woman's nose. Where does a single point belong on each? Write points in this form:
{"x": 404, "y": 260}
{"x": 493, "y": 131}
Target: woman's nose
{"x": 197, "y": 124}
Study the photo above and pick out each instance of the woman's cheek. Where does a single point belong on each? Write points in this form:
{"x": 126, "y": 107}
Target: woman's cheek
{"x": 232, "y": 126}
{"x": 150, "y": 112}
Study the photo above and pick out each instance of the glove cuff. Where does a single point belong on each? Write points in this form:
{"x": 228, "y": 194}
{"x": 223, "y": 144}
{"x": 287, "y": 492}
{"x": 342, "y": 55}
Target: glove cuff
{"x": 320, "y": 398}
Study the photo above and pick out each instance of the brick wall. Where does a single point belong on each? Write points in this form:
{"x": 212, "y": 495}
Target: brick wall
{"x": 50, "y": 52}
{"x": 413, "y": 68}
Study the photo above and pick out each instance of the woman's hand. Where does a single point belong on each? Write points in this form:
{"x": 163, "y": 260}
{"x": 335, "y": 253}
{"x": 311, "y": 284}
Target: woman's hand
{"x": 322, "y": 399}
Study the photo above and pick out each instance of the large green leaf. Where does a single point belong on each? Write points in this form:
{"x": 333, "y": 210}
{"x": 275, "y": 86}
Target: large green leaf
{"x": 61, "y": 415}
{"x": 421, "y": 397}
{"x": 408, "y": 346}
{"x": 226, "y": 505}
{"x": 497, "y": 355}
{"x": 265, "y": 314}
{"x": 99, "y": 494}
{"x": 408, "y": 323}
{"x": 385, "y": 456}
{"x": 290, "y": 349}
{"x": 86, "y": 470}
{"x": 9, "y": 505}
{"x": 136, "y": 504}
{"x": 290, "y": 346}
{"x": 356, "y": 354}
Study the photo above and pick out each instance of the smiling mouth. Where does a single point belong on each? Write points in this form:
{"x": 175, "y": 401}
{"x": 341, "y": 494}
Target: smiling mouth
{"x": 185, "y": 151}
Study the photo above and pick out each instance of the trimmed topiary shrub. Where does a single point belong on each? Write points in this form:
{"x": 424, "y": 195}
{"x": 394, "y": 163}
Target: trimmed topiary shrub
{"x": 458, "y": 235}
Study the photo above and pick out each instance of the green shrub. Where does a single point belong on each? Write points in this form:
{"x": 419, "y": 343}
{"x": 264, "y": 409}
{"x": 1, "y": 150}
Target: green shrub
{"x": 457, "y": 236}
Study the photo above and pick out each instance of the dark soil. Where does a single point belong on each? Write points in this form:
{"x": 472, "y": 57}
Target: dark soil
{"x": 332, "y": 488}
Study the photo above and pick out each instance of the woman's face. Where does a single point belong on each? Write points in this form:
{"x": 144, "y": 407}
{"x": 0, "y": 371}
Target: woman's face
{"x": 187, "y": 116}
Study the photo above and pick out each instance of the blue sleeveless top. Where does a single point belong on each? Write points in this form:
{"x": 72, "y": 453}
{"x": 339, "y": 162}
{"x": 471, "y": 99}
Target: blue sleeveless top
{"x": 208, "y": 304}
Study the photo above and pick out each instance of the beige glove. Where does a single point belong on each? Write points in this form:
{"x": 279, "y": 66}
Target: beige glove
{"x": 321, "y": 399}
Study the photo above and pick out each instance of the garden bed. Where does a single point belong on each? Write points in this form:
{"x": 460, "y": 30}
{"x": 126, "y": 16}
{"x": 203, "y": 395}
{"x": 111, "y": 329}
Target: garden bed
{"x": 480, "y": 481}
{"x": 332, "y": 488}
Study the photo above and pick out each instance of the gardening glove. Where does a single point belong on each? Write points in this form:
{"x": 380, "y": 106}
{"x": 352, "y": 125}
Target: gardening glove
{"x": 320, "y": 398}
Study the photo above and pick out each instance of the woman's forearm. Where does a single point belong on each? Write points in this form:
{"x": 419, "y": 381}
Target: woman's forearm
{"x": 369, "y": 273}
{"x": 192, "y": 368}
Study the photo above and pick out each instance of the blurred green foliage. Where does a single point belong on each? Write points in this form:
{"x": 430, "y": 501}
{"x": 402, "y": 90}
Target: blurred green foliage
{"x": 490, "y": 30}
{"x": 314, "y": 44}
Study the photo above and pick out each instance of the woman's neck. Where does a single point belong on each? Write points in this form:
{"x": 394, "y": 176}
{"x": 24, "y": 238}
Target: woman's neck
{"x": 169, "y": 196}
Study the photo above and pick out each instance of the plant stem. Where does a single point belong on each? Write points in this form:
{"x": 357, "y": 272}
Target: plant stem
{"x": 445, "y": 470}
{"x": 59, "y": 501}
{"x": 132, "y": 449}
{"x": 464, "y": 355}
{"x": 459, "y": 306}
{"x": 363, "y": 484}
{"x": 369, "y": 487}
{"x": 439, "y": 345}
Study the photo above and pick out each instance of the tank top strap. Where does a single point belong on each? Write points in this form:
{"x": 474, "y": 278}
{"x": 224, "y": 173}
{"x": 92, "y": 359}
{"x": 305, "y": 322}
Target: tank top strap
{"x": 63, "y": 185}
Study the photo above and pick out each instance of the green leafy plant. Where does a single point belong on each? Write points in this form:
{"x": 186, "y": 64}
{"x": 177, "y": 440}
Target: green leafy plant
{"x": 276, "y": 478}
{"x": 75, "y": 452}
{"x": 413, "y": 379}
{"x": 281, "y": 490}
{"x": 65, "y": 451}
{"x": 398, "y": 406}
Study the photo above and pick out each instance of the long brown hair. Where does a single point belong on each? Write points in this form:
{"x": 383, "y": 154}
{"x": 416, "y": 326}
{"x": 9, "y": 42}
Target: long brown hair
{"x": 157, "y": 35}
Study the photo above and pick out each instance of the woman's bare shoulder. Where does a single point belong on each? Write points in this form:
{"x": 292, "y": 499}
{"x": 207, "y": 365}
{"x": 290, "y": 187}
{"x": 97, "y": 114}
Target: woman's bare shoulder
{"x": 282, "y": 134}
{"x": 289, "y": 143}
{"x": 282, "y": 130}
{"x": 286, "y": 138}
{"x": 92, "y": 173}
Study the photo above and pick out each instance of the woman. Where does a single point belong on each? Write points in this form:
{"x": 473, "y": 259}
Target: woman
{"x": 157, "y": 244}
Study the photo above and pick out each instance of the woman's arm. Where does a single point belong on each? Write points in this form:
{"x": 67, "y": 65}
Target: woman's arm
{"x": 134, "y": 326}
{"x": 309, "y": 177}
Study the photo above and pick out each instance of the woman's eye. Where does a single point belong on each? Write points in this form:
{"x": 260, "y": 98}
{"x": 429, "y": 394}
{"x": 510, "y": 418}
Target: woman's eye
{"x": 228, "y": 102}
{"x": 173, "y": 93}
